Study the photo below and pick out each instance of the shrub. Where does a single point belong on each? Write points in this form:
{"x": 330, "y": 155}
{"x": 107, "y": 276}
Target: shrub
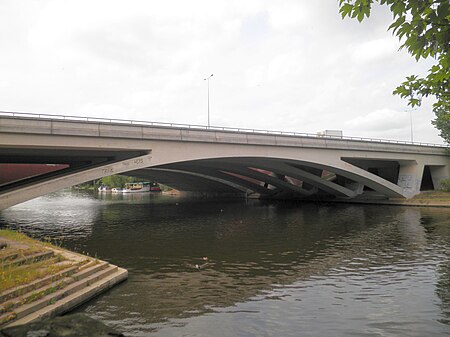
{"x": 445, "y": 185}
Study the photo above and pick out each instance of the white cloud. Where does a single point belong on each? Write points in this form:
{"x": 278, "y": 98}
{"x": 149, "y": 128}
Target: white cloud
{"x": 379, "y": 120}
{"x": 286, "y": 65}
{"x": 375, "y": 50}
{"x": 254, "y": 76}
{"x": 287, "y": 15}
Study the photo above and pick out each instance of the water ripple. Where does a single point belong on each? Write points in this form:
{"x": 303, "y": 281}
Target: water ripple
{"x": 272, "y": 269}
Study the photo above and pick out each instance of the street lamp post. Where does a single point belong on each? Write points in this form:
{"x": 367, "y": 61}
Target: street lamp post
{"x": 207, "y": 79}
{"x": 419, "y": 98}
{"x": 410, "y": 119}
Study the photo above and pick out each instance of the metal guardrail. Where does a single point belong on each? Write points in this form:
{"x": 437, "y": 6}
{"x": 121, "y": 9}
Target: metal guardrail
{"x": 205, "y": 128}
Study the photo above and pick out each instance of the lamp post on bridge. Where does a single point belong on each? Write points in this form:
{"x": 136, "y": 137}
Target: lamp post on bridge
{"x": 419, "y": 99}
{"x": 207, "y": 79}
{"x": 410, "y": 120}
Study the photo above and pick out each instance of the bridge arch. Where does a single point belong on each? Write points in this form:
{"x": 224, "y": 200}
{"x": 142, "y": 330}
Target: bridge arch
{"x": 271, "y": 176}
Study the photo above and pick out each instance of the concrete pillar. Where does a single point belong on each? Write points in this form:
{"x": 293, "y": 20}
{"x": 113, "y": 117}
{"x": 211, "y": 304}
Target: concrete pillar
{"x": 357, "y": 187}
{"x": 410, "y": 178}
{"x": 439, "y": 173}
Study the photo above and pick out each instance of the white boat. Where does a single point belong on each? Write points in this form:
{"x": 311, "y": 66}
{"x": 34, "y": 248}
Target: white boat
{"x": 137, "y": 187}
{"x": 104, "y": 189}
{"x": 117, "y": 190}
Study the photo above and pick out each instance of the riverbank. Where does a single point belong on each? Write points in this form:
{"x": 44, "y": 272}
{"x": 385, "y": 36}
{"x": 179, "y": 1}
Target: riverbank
{"x": 423, "y": 199}
{"x": 430, "y": 198}
{"x": 39, "y": 280}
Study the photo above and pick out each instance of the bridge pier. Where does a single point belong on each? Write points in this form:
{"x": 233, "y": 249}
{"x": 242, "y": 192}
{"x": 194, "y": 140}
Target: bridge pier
{"x": 410, "y": 178}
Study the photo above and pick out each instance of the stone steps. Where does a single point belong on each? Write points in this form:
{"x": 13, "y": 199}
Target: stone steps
{"x": 71, "y": 301}
{"x": 58, "y": 293}
{"x": 6, "y": 257}
{"x": 26, "y": 288}
{"x": 39, "y": 288}
{"x": 28, "y": 259}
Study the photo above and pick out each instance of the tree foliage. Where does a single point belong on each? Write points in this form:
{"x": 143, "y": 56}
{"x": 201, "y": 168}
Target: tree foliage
{"x": 117, "y": 181}
{"x": 423, "y": 26}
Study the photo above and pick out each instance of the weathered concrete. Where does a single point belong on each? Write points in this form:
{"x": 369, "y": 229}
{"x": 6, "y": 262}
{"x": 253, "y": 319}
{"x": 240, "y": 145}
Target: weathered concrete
{"x": 216, "y": 160}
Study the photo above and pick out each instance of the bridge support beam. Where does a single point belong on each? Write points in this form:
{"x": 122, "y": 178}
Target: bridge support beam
{"x": 318, "y": 182}
{"x": 227, "y": 181}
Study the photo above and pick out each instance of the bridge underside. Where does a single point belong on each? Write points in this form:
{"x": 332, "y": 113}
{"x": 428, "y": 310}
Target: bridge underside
{"x": 279, "y": 178}
{"x": 257, "y": 177}
{"x": 29, "y": 173}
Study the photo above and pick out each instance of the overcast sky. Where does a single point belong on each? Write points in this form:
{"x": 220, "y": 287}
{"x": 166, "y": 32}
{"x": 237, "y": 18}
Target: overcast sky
{"x": 291, "y": 65}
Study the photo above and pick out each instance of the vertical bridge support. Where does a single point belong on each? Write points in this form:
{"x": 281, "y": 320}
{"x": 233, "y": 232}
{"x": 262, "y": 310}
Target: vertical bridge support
{"x": 410, "y": 177}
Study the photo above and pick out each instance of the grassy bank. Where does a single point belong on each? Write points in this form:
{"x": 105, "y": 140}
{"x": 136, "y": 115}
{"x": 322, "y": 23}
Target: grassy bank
{"x": 423, "y": 199}
{"x": 39, "y": 280}
{"x": 23, "y": 260}
{"x": 29, "y": 271}
{"x": 433, "y": 196}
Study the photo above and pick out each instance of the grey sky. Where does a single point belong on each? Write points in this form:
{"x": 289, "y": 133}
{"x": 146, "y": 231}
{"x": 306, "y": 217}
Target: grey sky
{"x": 289, "y": 65}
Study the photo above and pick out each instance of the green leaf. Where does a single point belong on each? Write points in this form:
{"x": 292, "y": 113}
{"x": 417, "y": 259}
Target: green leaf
{"x": 360, "y": 16}
{"x": 414, "y": 102}
{"x": 397, "y": 24}
{"x": 346, "y": 10}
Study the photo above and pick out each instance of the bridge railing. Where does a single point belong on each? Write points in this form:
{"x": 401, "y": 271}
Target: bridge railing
{"x": 203, "y": 127}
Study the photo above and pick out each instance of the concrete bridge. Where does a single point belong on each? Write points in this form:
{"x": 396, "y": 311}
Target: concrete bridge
{"x": 254, "y": 163}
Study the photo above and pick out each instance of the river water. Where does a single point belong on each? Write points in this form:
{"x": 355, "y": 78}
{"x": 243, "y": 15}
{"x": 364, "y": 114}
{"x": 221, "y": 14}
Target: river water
{"x": 273, "y": 269}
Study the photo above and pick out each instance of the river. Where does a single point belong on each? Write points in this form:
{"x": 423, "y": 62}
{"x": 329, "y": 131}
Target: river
{"x": 272, "y": 268}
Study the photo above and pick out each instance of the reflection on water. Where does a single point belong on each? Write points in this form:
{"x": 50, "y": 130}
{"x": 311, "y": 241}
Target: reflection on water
{"x": 131, "y": 197}
{"x": 274, "y": 269}
{"x": 57, "y": 215}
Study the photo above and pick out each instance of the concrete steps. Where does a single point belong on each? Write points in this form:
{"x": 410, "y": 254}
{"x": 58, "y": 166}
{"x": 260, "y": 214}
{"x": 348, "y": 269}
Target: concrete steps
{"x": 31, "y": 292}
{"x": 16, "y": 261}
{"x": 58, "y": 293}
{"x": 19, "y": 292}
{"x": 73, "y": 300}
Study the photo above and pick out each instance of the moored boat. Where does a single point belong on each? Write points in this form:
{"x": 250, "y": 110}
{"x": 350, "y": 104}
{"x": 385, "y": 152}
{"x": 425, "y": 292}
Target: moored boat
{"x": 139, "y": 187}
{"x": 154, "y": 187}
{"x": 104, "y": 189}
